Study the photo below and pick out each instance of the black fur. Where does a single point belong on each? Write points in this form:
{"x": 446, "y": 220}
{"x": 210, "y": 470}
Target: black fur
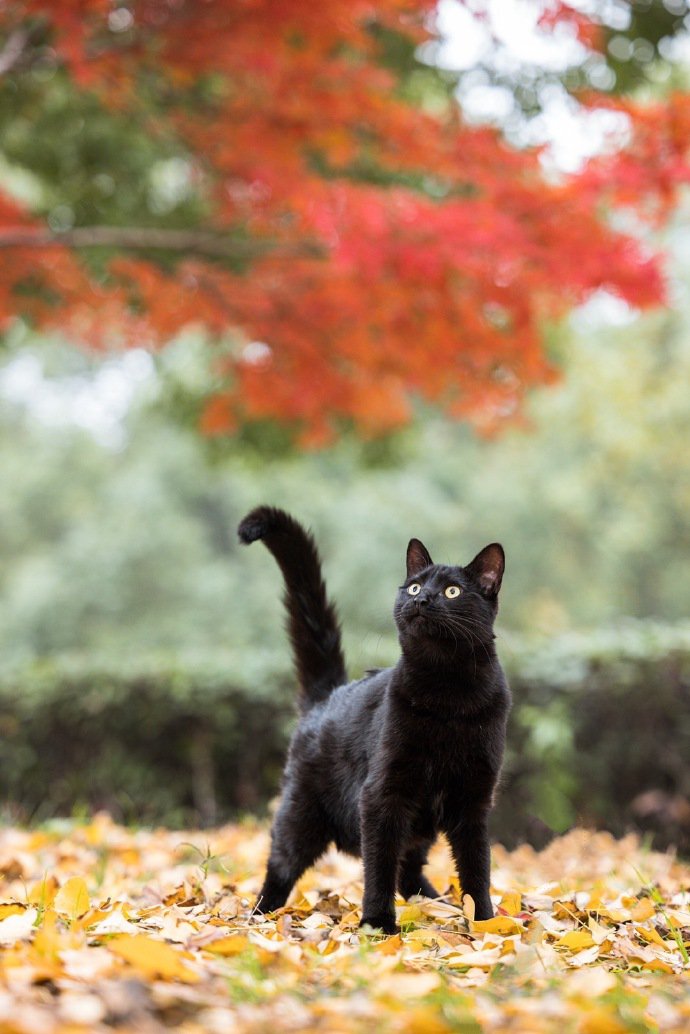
{"x": 312, "y": 622}
{"x": 382, "y": 765}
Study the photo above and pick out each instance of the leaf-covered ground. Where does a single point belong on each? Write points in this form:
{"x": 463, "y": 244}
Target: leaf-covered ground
{"x": 106, "y": 928}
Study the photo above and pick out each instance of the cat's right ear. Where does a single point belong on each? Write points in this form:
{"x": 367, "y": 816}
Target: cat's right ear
{"x": 417, "y": 557}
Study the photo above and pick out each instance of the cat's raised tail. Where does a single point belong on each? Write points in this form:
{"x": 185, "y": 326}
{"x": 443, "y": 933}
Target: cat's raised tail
{"x": 312, "y": 619}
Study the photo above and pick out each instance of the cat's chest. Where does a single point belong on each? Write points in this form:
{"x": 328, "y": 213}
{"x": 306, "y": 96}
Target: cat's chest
{"x": 446, "y": 754}
{"x": 447, "y": 733}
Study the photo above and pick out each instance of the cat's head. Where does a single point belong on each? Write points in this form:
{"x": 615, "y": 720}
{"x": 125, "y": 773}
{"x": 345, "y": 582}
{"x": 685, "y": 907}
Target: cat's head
{"x": 448, "y": 611}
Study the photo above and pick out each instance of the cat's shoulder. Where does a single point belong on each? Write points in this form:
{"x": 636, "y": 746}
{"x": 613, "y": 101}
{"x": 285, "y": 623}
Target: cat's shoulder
{"x": 364, "y": 693}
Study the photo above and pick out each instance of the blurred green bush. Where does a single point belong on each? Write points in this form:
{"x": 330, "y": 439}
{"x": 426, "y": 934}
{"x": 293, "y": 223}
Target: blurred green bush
{"x": 189, "y": 742}
{"x": 599, "y": 735}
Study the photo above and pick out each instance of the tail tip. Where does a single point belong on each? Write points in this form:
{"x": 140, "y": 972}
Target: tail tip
{"x": 257, "y": 524}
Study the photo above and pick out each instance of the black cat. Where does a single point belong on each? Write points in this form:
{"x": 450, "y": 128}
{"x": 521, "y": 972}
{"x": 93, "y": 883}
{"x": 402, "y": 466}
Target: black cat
{"x": 382, "y": 765}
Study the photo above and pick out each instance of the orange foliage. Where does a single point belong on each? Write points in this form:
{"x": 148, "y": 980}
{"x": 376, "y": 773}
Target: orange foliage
{"x": 365, "y": 295}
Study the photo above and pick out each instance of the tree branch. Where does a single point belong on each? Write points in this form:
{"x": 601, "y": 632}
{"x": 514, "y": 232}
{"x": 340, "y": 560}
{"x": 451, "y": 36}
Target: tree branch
{"x": 198, "y": 242}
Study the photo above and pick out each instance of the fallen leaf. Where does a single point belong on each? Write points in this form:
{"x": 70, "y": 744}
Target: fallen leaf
{"x": 644, "y": 909}
{"x": 503, "y": 925}
{"x": 511, "y": 903}
{"x": 233, "y": 945}
{"x": 152, "y": 958}
{"x": 576, "y": 940}
{"x": 72, "y": 899}
{"x": 18, "y": 926}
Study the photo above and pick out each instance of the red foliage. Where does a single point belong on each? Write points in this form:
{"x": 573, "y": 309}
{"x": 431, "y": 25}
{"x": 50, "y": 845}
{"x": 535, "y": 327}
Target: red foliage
{"x": 365, "y": 296}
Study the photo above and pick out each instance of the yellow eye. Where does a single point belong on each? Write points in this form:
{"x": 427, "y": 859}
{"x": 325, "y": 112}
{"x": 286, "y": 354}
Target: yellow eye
{"x": 414, "y": 589}
{"x": 452, "y": 592}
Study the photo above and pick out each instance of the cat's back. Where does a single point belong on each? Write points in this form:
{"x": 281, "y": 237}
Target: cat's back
{"x": 338, "y": 735}
{"x": 359, "y": 699}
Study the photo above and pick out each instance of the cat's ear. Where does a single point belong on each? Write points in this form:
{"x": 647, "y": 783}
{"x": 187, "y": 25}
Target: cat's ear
{"x": 487, "y": 569}
{"x": 417, "y": 557}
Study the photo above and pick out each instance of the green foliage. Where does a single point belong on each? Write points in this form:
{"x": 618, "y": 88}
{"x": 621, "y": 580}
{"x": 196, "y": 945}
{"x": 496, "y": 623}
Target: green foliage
{"x": 131, "y": 548}
{"x": 600, "y": 735}
{"x": 157, "y": 740}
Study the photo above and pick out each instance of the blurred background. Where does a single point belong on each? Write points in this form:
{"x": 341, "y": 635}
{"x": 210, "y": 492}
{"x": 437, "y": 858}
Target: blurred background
{"x": 401, "y": 268}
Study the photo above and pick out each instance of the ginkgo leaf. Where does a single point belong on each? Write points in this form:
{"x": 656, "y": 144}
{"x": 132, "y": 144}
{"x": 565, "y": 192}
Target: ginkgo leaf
{"x": 11, "y": 908}
{"x": 576, "y": 940}
{"x": 644, "y": 909}
{"x": 152, "y": 958}
{"x": 43, "y": 892}
{"x": 504, "y": 925}
{"x": 511, "y": 903}
{"x": 72, "y": 898}
{"x": 234, "y": 945}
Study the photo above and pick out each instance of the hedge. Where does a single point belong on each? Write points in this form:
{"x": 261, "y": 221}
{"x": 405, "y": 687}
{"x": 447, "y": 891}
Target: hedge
{"x": 599, "y": 735}
{"x": 146, "y": 739}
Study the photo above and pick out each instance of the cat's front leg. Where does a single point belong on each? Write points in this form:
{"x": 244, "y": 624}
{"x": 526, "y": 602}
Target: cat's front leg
{"x": 384, "y": 828}
{"x": 469, "y": 842}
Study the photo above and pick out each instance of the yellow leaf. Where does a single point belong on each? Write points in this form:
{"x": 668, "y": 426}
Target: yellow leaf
{"x": 468, "y": 906}
{"x": 511, "y": 903}
{"x": 390, "y": 946}
{"x": 424, "y": 1021}
{"x": 410, "y": 914}
{"x": 422, "y": 938}
{"x": 72, "y": 899}
{"x": 614, "y": 915}
{"x": 503, "y": 925}
{"x": 152, "y": 958}
{"x": 11, "y": 908}
{"x": 601, "y": 1021}
{"x": 576, "y": 940}
{"x": 47, "y": 941}
{"x": 650, "y": 935}
{"x": 644, "y": 909}
{"x": 301, "y": 904}
{"x": 658, "y": 964}
{"x": 43, "y": 893}
{"x": 233, "y": 945}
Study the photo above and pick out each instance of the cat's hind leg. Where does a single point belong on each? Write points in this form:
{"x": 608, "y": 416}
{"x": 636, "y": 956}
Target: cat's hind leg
{"x": 298, "y": 838}
{"x": 411, "y": 879}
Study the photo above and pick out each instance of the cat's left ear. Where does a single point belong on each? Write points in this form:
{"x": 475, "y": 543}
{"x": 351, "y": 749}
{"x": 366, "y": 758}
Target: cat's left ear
{"x": 417, "y": 557}
{"x": 487, "y": 569}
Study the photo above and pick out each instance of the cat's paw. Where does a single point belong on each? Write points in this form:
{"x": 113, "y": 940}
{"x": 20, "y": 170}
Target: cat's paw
{"x": 384, "y": 921}
{"x": 483, "y": 910}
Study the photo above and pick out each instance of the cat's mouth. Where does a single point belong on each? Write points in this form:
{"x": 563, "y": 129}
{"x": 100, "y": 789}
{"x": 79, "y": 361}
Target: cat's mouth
{"x": 418, "y": 621}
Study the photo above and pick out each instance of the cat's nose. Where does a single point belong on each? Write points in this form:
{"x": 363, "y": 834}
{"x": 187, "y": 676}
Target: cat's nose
{"x": 421, "y": 601}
